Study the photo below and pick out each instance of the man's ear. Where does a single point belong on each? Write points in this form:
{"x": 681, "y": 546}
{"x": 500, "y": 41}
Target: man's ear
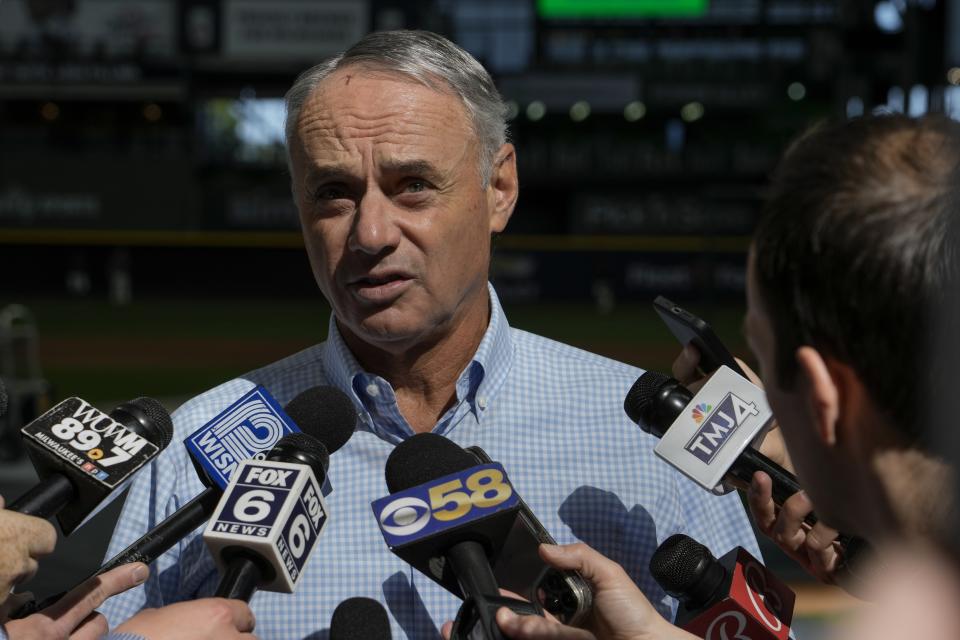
{"x": 838, "y": 399}
{"x": 504, "y": 187}
{"x": 817, "y": 384}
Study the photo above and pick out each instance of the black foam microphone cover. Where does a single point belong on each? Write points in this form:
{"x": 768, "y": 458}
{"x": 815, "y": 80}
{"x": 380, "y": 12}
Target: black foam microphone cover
{"x": 148, "y": 418}
{"x": 422, "y": 458}
{"x": 654, "y": 401}
{"x": 302, "y": 448}
{"x": 686, "y": 569}
{"x": 359, "y": 619}
{"x": 326, "y": 413}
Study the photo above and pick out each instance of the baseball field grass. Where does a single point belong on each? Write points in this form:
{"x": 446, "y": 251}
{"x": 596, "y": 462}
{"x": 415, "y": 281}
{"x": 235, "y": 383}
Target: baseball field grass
{"x": 177, "y": 347}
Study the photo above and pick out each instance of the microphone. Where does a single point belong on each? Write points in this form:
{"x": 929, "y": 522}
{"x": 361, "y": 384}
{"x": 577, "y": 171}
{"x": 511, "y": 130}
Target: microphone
{"x": 733, "y": 597}
{"x": 449, "y": 518}
{"x": 359, "y": 619}
{"x": 323, "y": 412}
{"x": 84, "y": 457}
{"x": 657, "y": 403}
{"x": 269, "y": 519}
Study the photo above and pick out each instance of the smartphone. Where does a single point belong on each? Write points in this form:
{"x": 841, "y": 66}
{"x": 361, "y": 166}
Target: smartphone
{"x": 688, "y": 328}
{"x": 565, "y": 594}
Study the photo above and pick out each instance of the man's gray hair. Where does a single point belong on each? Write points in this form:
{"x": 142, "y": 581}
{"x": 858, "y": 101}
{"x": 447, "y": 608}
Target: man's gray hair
{"x": 427, "y": 58}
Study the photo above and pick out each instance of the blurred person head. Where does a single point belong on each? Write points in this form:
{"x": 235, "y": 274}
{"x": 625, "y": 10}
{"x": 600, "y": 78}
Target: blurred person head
{"x": 401, "y": 173}
{"x": 847, "y": 264}
{"x": 916, "y": 594}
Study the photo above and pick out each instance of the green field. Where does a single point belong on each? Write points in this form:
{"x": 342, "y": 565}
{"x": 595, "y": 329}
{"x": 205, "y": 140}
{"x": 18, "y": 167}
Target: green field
{"x": 174, "y": 348}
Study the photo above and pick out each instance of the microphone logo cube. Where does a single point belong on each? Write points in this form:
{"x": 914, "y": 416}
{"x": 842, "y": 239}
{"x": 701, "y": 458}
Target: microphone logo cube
{"x": 758, "y": 604}
{"x": 99, "y": 454}
{"x": 246, "y": 429}
{"x": 81, "y": 435}
{"x": 722, "y": 419}
{"x": 448, "y": 502}
{"x": 719, "y": 426}
{"x": 274, "y": 509}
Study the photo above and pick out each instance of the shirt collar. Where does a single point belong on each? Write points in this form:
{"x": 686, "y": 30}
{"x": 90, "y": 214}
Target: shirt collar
{"x": 493, "y": 358}
{"x": 478, "y": 383}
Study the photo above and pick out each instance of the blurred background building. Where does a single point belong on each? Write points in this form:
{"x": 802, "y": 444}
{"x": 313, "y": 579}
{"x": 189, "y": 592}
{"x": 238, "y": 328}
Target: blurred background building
{"x": 147, "y": 231}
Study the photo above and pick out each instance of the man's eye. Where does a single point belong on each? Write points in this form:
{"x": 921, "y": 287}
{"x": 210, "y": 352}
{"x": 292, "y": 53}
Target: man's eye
{"x": 415, "y": 186}
{"x": 329, "y": 193}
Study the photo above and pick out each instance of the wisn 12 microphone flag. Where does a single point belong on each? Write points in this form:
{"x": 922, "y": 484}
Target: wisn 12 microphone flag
{"x": 246, "y": 429}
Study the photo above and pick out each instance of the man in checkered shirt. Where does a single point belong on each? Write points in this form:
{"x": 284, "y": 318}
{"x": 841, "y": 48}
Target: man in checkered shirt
{"x": 402, "y": 173}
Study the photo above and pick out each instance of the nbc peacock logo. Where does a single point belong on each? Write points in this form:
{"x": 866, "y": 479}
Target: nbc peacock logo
{"x": 701, "y": 411}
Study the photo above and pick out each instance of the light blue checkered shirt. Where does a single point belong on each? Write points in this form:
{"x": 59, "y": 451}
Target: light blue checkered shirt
{"x": 550, "y": 413}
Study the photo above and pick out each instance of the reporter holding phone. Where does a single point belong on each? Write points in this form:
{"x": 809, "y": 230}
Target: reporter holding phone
{"x": 620, "y": 610}
{"x": 23, "y": 541}
{"x": 74, "y": 616}
{"x": 849, "y": 258}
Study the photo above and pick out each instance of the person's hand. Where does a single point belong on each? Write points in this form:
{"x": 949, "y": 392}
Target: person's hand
{"x": 73, "y": 615}
{"x": 812, "y": 548}
{"x": 684, "y": 370}
{"x": 196, "y": 619}
{"x": 620, "y": 610}
{"x": 23, "y": 540}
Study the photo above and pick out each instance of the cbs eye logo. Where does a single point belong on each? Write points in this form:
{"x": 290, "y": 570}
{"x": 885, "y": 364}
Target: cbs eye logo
{"x": 409, "y": 514}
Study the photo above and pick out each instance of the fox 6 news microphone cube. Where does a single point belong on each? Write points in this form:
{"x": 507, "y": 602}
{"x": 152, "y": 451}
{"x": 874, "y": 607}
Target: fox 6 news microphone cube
{"x": 757, "y": 606}
{"x": 246, "y": 429}
{"x": 722, "y": 419}
{"x": 274, "y": 509}
{"x": 416, "y": 522}
{"x": 97, "y": 453}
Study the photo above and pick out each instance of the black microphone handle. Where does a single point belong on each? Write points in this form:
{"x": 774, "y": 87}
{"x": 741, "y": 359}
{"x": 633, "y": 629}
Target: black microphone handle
{"x": 149, "y": 547}
{"x": 469, "y": 563}
{"x": 241, "y": 579}
{"x": 46, "y": 498}
{"x": 785, "y": 485}
{"x": 175, "y": 528}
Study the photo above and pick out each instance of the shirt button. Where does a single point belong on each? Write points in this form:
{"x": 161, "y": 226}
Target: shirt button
{"x": 373, "y": 390}
{"x": 482, "y": 402}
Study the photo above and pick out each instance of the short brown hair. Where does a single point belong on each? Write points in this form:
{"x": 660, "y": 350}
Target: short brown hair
{"x": 851, "y": 253}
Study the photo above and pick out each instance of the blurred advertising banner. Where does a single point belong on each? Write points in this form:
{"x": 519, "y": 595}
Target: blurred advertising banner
{"x": 233, "y": 30}
{"x": 283, "y": 30}
{"x": 95, "y": 191}
{"x": 31, "y": 29}
{"x": 625, "y": 274}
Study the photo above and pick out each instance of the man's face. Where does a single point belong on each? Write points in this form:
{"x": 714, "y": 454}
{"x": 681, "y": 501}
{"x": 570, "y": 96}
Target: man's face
{"x": 396, "y": 221}
{"x": 816, "y": 463}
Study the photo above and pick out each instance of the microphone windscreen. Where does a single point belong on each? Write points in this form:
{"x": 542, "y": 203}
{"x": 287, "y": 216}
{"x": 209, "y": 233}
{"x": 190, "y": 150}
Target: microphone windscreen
{"x": 302, "y": 447}
{"x": 326, "y": 413}
{"x": 641, "y": 392}
{"x": 686, "y": 569}
{"x": 422, "y": 458}
{"x": 148, "y": 418}
{"x": 359, "y": 619}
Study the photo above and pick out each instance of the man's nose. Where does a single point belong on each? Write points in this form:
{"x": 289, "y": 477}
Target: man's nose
{"x": 374, "y": 226}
